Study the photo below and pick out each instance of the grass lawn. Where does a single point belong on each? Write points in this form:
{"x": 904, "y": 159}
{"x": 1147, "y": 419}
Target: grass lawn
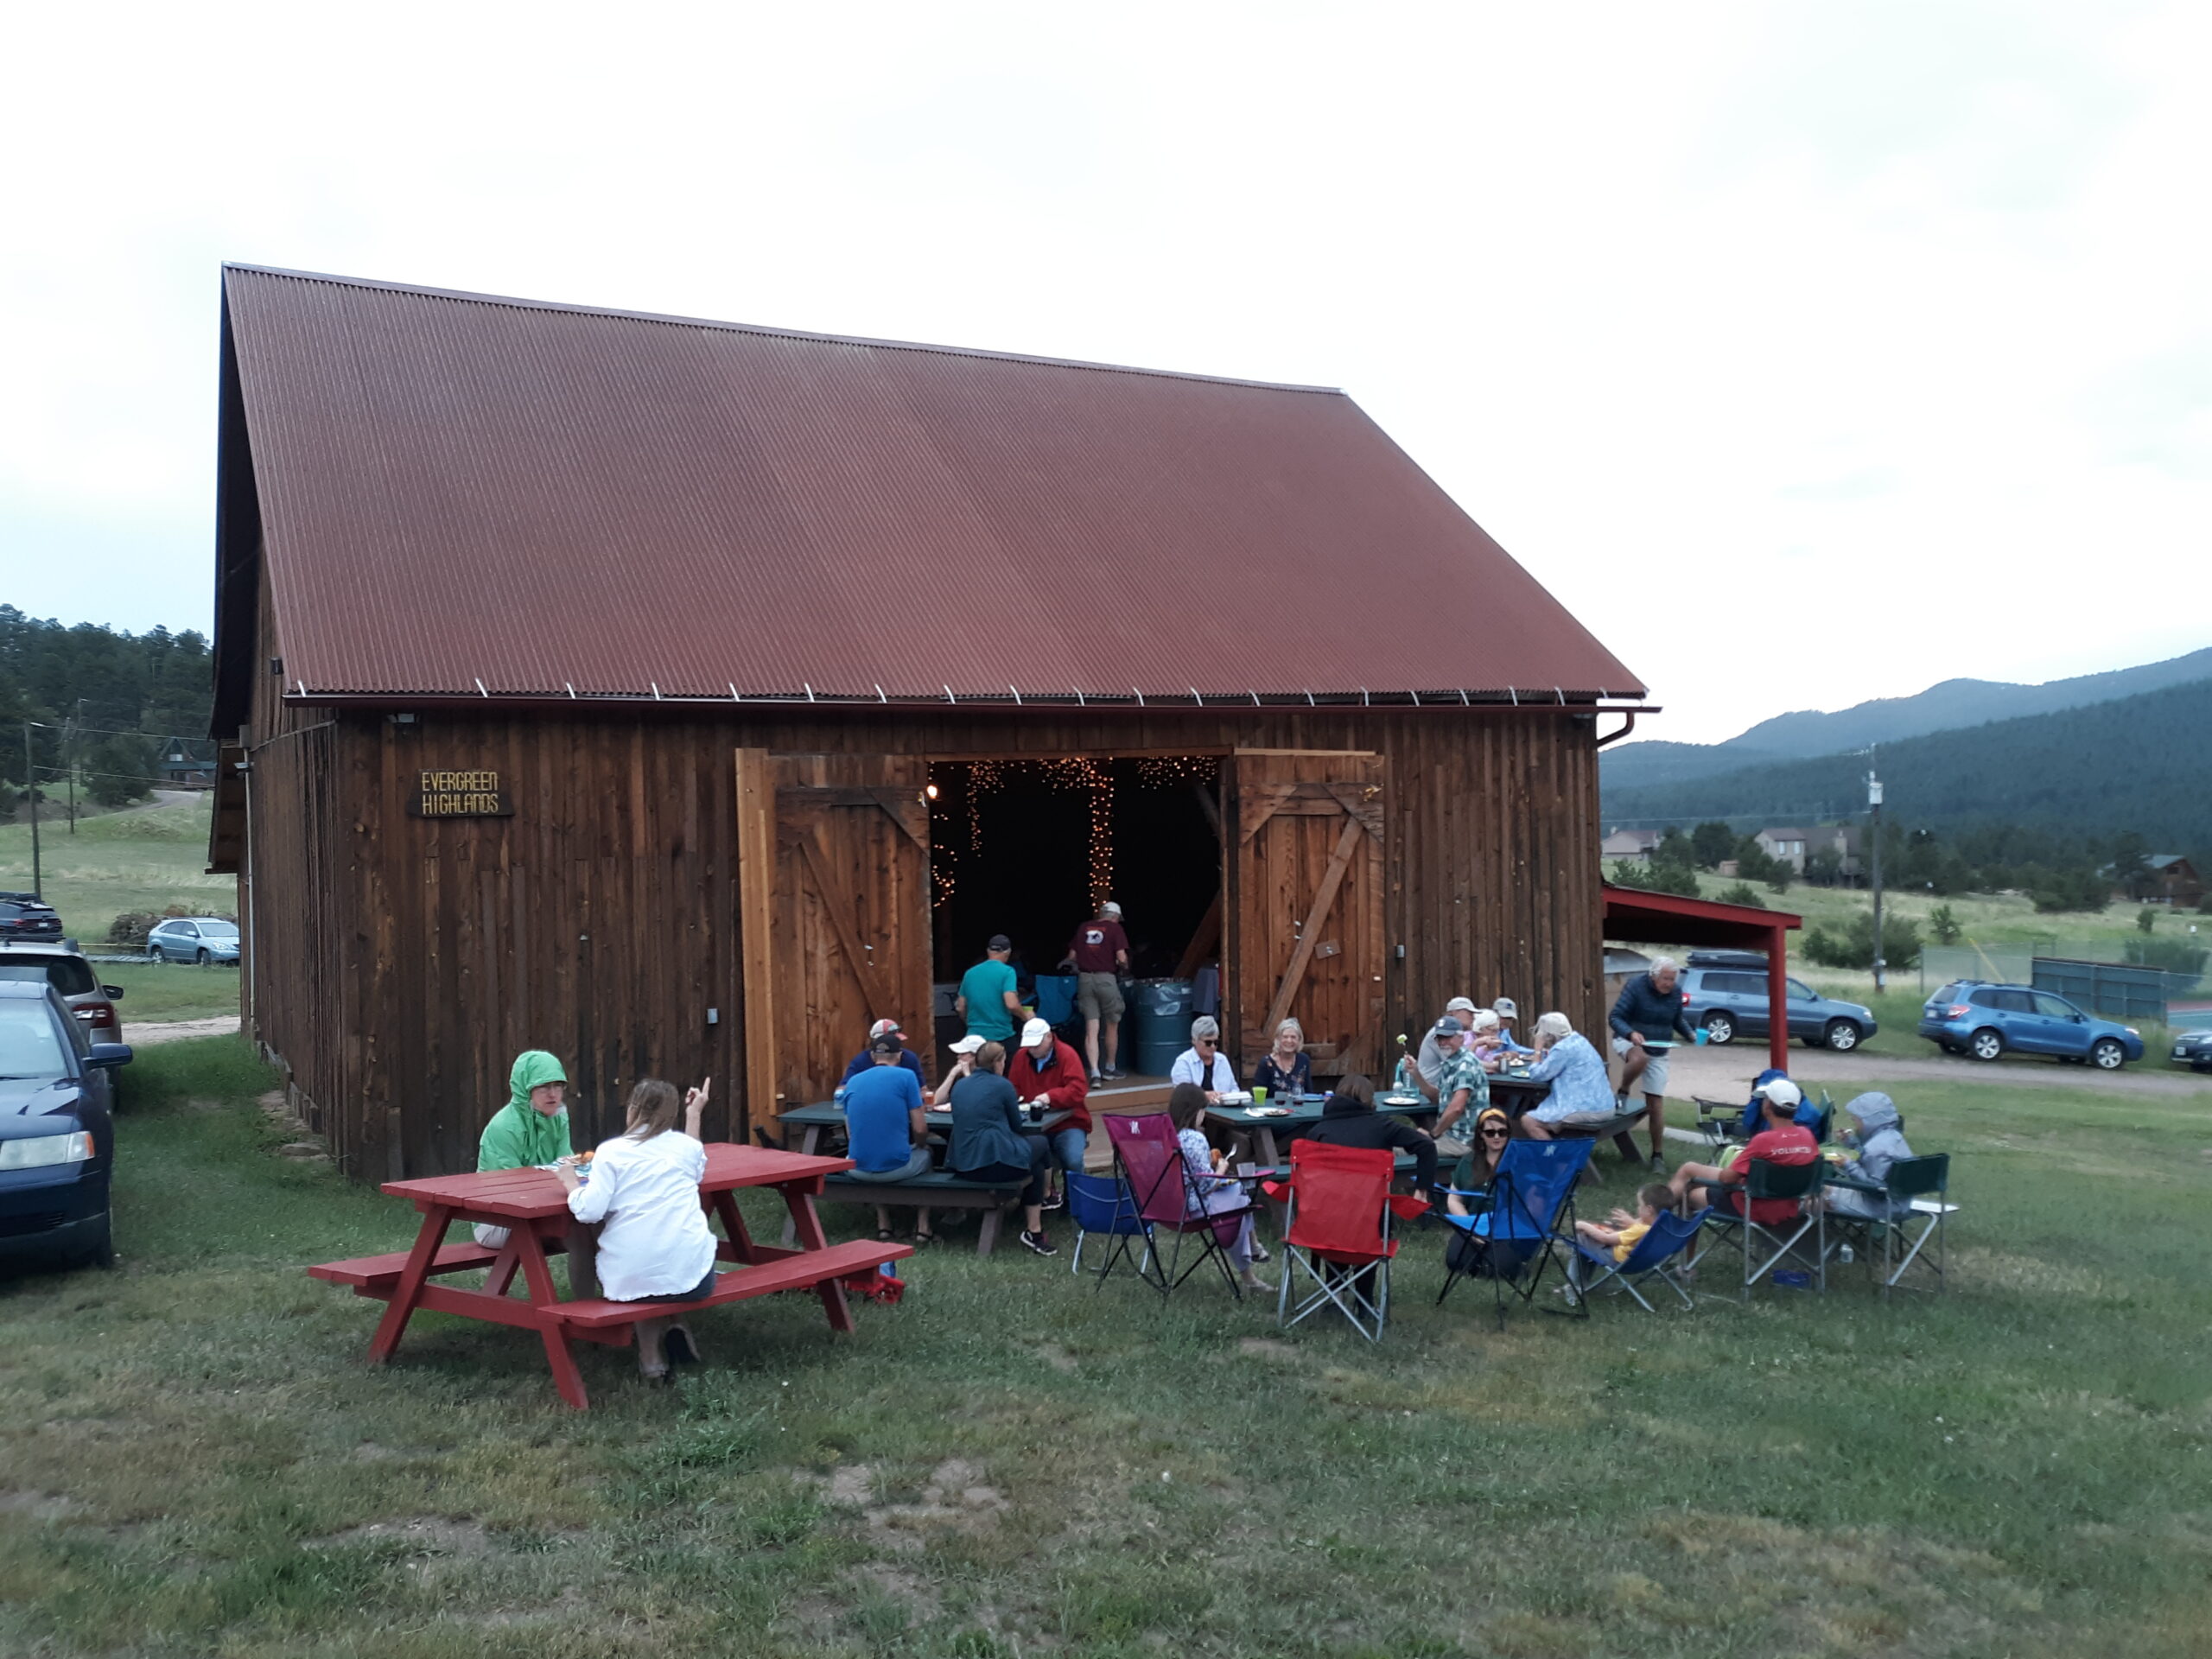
{"x": 141, "y": 859}
{"x": 197, "y": 1461}
{"x": 170, "y": 990}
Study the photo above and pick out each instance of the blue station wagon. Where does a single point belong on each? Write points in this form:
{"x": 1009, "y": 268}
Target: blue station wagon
{"x": 1969, "y": 1016}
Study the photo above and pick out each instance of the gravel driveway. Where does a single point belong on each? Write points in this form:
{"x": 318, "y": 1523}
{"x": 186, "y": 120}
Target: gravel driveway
{"x": 1727, "y": 1073}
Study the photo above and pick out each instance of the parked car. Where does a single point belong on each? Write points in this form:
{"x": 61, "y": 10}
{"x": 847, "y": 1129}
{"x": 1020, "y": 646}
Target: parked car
{"x": 57, "y": 1129}
{"x": 2194, "y": 1050}
{"x": 63, "y": 966}
{"x": 1725, "y": 992}
{"x": 23, "y": 917}
{"x": 1971, "y": 1016}
{"x": 194, "y": 938}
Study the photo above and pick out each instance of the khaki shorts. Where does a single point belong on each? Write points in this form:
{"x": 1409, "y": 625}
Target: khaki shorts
{"x": 1098, "y": 996}
{"x": 1654, "y": 1080}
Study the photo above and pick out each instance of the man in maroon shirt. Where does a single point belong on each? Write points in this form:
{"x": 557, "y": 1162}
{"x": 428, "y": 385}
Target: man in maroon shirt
{"x": 1783, "y": 1140}
{"x": 1101, "y": 950}
{"x": 1045, "y": 1071}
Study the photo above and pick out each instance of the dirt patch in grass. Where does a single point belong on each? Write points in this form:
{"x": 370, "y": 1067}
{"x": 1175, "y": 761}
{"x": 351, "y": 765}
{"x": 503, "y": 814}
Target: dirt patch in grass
{"x": 37, "y": 1506}
{"x": 421, "y": 1534}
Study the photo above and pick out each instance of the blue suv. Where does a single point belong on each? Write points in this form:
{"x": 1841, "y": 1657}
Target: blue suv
{"x": 57, "y": 1131}
{"x": 1969, "y": 1016}
{"x": 1725, "y": 992}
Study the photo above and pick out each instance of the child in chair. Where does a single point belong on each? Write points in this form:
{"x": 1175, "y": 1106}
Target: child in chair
{"x": 1621, "y": 1231}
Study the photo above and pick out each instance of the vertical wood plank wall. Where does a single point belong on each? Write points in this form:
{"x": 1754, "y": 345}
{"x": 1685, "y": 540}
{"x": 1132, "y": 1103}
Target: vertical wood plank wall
{"x": 402, "y": 962}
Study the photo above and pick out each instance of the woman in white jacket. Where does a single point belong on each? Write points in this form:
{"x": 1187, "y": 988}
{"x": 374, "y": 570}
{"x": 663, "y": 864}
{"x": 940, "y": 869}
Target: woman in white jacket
{"x": 655, "y": 1245}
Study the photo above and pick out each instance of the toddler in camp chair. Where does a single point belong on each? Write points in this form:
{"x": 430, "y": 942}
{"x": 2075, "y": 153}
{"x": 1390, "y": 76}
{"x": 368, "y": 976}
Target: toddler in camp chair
{"x": 1620, "y": 1231}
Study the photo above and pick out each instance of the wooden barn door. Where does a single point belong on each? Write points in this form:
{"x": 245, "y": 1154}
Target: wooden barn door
{"x": 1305, "y": 874}
{"x": 833, "y": 888}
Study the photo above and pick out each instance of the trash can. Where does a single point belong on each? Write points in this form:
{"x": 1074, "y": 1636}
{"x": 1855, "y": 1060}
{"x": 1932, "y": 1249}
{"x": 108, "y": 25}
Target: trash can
{"x": 1163, "y": 1024}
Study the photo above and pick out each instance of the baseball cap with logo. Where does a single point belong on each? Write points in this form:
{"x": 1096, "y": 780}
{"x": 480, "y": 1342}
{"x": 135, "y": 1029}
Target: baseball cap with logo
{"x": 886, "y": 1028}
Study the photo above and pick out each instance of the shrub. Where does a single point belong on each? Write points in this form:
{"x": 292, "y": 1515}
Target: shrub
{"x": 1743, "y": 894}
{"x": 132, "y": 927}
{"x": 1676, "y": 878}
{"x": 1854, "y": 946}
{"x": 1944, "y": 923}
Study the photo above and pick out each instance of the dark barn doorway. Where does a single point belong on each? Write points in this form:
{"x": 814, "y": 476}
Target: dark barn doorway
{"x": 1027, "y": 849}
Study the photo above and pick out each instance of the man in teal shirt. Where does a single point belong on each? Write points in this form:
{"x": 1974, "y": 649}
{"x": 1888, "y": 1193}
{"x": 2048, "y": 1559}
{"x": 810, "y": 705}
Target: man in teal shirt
{"x": 988, "y": 1000}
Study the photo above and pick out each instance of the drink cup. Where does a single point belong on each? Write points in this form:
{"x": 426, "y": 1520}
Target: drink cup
{"x": 1260, "y": 1096}
{"x": 1700, "y": 1035}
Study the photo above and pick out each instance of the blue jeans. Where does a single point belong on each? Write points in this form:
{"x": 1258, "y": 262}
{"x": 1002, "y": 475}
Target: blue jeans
{"x": 1067, "y": 1146}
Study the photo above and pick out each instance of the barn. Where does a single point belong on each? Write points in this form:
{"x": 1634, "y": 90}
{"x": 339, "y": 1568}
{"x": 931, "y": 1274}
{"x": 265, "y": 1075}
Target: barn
{"x": 682, "y": 696}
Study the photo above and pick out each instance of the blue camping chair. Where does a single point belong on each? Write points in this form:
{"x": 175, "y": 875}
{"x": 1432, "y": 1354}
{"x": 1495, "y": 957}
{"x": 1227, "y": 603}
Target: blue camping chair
{"x": 1056, "y": 999}
{"x": 1516, "y": 1229}
{"x": 1669, "y": 1236}
{"x": 1104, "y": 1205}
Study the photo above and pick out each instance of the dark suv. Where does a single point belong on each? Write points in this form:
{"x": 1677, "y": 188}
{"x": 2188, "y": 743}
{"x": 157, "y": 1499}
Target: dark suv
{"x": 57, "y": 1131}
{"x": 60, "y": 964}
{"x": 23, "y": 917}
{"x": 1725, "y": 992}
{"x": 1969, "y": 1016}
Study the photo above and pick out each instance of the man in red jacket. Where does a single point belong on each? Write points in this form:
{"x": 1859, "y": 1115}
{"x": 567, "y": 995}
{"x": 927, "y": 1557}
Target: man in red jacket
{"x": 1045, "y": 1071}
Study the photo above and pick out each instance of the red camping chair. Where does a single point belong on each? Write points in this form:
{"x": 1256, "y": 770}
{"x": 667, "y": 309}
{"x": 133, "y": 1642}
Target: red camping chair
{"x": 1339, "y": 1233}
{"x": 1169, "y": 1200}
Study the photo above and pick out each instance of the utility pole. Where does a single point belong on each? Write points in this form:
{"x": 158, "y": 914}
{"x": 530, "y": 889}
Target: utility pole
{"x": 1874, "y": 818}
{"x": 69, "y": 759}
{"x": 30, "y": 786}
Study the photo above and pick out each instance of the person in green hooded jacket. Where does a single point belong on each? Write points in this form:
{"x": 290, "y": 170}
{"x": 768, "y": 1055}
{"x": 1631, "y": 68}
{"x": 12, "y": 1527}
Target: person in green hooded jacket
{"x": 529, "y": 1130}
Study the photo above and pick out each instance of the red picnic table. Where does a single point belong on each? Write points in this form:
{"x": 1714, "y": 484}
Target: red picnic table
{"x": 534, "y": 1208}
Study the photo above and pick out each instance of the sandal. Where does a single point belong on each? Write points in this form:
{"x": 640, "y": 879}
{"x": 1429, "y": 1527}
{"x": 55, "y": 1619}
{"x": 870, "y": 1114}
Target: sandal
{"x": 922, "y": 1241}
{"x": 885, "y": 1235}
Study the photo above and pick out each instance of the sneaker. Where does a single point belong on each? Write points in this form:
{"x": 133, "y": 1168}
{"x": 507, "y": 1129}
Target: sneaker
{"x": 1112, "y": 1074}
{"x": 1054, "y": 1201}
{"x": 1097, "y": 1076}
{"x": 1658, "y": 1165}
{"x": 1038, "y": 1242}
{"x": 1260, "y": 1252}
{"x": 679, "y": 1347}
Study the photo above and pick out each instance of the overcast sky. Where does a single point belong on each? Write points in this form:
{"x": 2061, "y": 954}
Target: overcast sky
{"x": 1807, "y": 354}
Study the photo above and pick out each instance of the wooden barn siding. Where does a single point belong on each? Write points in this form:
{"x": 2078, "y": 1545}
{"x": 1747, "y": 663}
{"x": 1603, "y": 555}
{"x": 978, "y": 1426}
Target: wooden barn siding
{"x": 601, "y": 921}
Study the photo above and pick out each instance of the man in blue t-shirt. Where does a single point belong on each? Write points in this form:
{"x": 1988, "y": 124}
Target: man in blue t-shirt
{"x": 988, "y": 999}
{"x": 886, "y": 1134}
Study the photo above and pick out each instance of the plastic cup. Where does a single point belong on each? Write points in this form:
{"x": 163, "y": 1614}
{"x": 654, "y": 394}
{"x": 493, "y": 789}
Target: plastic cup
{"x": 1699, "y": 1034}
{"x": 1260, "y": 1096}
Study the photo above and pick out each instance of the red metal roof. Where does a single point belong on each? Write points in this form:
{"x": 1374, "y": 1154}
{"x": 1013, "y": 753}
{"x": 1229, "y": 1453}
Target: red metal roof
{"x": 1666, "y": 919}
{"x": 461, "y": 494}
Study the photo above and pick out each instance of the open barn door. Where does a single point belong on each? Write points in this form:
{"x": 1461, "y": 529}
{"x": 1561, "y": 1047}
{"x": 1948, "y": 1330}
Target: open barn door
{"x": 1305, "y": 905}
{"x": 833, "y": 886}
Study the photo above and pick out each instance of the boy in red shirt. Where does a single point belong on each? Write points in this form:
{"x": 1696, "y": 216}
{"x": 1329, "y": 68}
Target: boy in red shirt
{"x": 1783, "y": 1140}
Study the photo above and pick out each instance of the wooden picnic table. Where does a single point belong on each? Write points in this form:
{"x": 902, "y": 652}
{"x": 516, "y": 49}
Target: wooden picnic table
{"x": 533, "y": 1206}
{"x": 1261, "y": 1129}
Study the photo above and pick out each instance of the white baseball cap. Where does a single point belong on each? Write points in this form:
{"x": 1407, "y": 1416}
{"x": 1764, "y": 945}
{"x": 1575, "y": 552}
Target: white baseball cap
{"x": 1460, "y": 1005}
{"x": 968, "y": 1045}
{"x": 1110, "y": 908}
{"x": 1782, "y": 1092}
{"x": 1503, "y": 1008}
{"x": 1034, "y": 1032}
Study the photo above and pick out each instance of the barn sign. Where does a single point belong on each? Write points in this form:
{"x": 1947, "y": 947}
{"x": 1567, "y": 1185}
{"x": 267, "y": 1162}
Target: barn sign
{"x": 460, "y": 795}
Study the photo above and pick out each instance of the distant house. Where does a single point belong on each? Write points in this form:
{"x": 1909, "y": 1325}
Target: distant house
{"x": 2177, "y": 881}
{"x": 1793, "y": 844}
{"x": 1634, "y": 845}
{"x": 187, "y": 763}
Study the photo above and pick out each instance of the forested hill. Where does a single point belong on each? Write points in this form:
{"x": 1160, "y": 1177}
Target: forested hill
{"x": 2141, "y": 763}
{"x": 1950, "y": 706}
{"x": 99, "y": 702}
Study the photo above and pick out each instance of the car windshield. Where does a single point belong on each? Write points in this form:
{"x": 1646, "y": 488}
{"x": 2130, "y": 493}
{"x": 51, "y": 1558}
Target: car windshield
{"x": 218, "y": 930}
{"x": 30, "y": 1046}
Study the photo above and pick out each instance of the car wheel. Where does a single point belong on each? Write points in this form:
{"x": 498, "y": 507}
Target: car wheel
{"x": 201, "y": 956}
{"x": 1719, "y": 1029}
{"x": 2106, "y": 1054}
{"x": 1985, "y": 1044}
{"x": 153, "y": 952}
{"x": 1843, "y": 1035}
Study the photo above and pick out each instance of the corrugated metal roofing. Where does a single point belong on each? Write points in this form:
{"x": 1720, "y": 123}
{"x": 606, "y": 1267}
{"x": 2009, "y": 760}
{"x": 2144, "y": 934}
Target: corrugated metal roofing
{"x": 462, "y": 494}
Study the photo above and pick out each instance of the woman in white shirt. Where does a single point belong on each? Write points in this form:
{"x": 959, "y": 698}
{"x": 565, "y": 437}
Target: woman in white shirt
{"x": 1203, "y": 1062}
{"x": 655, "y": 1245}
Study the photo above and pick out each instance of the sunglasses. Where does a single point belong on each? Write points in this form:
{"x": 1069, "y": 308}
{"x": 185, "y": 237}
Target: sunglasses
{"x": 1202, "y": 1042}
{"x": 1494, "y": 1135}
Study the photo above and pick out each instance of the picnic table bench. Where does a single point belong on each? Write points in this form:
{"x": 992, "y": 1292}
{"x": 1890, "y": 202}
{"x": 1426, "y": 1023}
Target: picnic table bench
{"x": 941, "y": 1189}
{"x": 533, "y": 1206}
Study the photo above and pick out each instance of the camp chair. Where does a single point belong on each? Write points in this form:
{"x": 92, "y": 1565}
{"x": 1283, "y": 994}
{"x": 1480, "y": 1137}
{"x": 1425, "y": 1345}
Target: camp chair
{"x": 1798, "y": 1182}
{"x": 1669, "y": 1236}
{"x": 1519, "y": 1220}
{"x": 1168, "y": 1199}
{"x": 1717, "y": 1119}
{"x": 1102, "y": 1204}
{"x": 1337, "y": 1233}
{"x": 1919, "y": 1194}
